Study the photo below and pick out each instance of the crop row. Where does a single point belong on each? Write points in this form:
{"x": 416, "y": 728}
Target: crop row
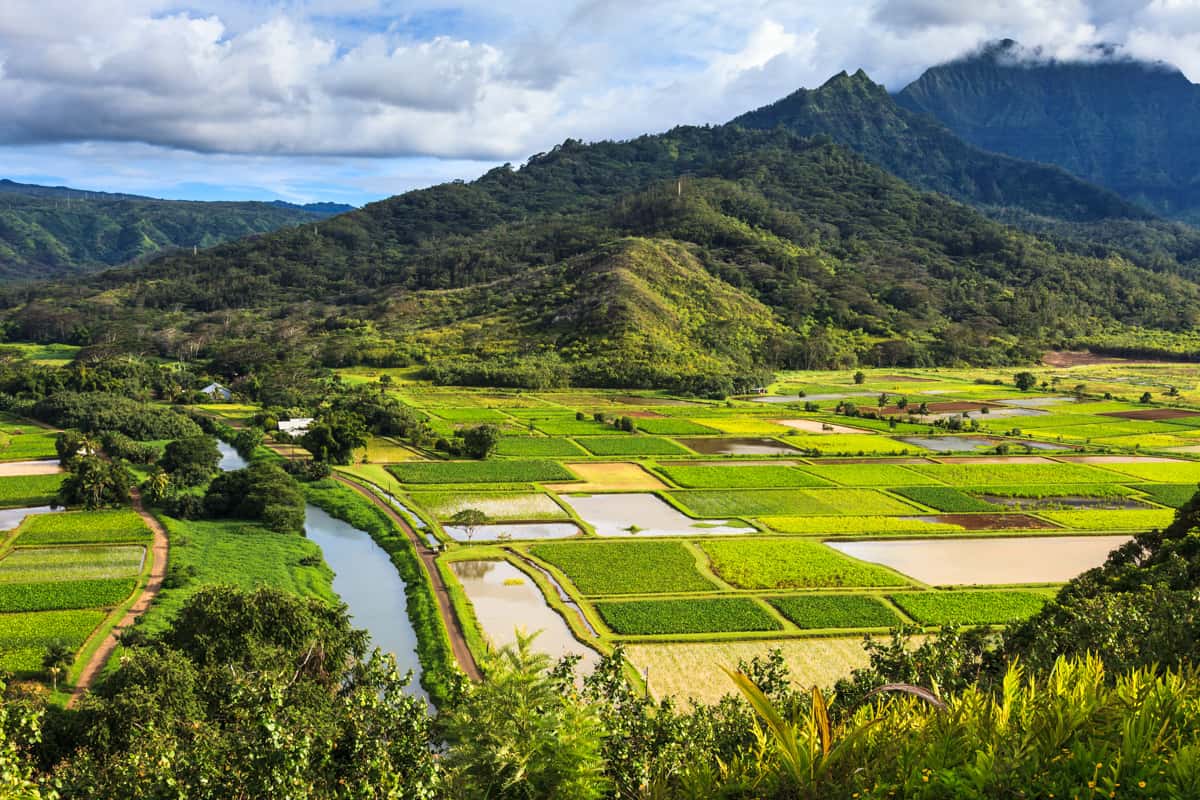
{"x": 599, "y": 568}
{"x": 462, "y": 472}
{"x": 736, "y": 476}
{"x": 83, "y": 528}
{"x": 800, "y": 564}
{"x": 28, "y": 490}
{"x": 31, "y": 564}
{"x": 497, "y": 506}
{"x": 847, "y": 524}
{"x": 970, "y": 607}
{"x": 53, "y": 595}
{"x": 836, "y": 611}
{"x": 631, "y": 446}
{"x": 700, "y": 615}
{"x": 782, "y": 502}
{"x": 538, "y": 447}
{"x": 945, "y": 498}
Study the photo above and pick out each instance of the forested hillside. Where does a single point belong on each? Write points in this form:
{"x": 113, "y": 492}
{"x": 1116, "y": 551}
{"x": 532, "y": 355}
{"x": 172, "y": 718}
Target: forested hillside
{"x": 47, "y": 232}
{"x": 1130, "y": 126}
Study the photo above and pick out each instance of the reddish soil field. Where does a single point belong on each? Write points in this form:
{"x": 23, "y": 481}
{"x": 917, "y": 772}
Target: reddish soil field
{"x": 1063, "y": 358}
{"x": 643, "y": 414}
{"x": 1153, "y": 413}
{"x": 900, "y": 460}
{"x": 995, "y": 522}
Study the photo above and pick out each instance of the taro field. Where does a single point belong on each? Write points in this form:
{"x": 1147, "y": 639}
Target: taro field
{"x": 697, "y": 532}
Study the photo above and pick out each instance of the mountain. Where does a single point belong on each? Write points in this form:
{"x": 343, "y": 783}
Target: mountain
{"x": 703, "y": 252}
{"x": 49, "y": 231}
{"x": 1130, "y": 126}
{"x": 321, "y": 209}
{"x": 858, "y": 113}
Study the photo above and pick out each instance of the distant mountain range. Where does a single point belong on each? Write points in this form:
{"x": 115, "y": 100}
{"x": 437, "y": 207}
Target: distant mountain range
{"x": 1130, "y": 126}
{"x": 50, "y": 231}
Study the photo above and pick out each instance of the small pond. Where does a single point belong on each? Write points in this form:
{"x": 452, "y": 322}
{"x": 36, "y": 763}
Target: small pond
{"x": 1029, "y": 559}
{"x": 506, "y": 599}
{"x": 513, "y": 530}
{"x": 614, "y": 514}
{"x": 738, "y": 446}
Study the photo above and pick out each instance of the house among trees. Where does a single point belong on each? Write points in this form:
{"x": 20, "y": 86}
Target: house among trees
{"x": 295, "y": 427}
{"x": 217, "y": 392}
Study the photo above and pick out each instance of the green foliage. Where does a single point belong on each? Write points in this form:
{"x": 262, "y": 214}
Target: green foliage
{"x": 944, "y": 498}
{"x": 29, "y": 490}
{"x": 538, "y": 446}
{"x": 868, "y": 474}
{"x": 672, "y": 427}
{"x": 481, "y": 441}
{"x": 191, "y": 461}
{"x": 95, "y": 483}
{"x": 56, "y": 595}
{"x": 83, "y": 528}
{"x": 1172, "y": 495}
{"x": 1025, "y": 381}
{"x": 33, "y": 564}
{"x": 335, "y": 436}
{"x": 1013, "y": 474}
{"x": 836, "y": 611}
{"x": 738, "y": 477}
{"x": 982, "y": 607}
{"x": 780, "y": 502}
{"x": 599, "y": 568}
{"x": 775, "y": 564}
{"x": 97, "y": 412}
{"x": 631, "y": 446}
{"x": 262, "y": 492}
{"x": 1111, "y": 520}
{"x": 699, "y": 615}
{"x": 509, "y": 471}
{"x": 852, "y": 524}
{"x": 26, "y": 636}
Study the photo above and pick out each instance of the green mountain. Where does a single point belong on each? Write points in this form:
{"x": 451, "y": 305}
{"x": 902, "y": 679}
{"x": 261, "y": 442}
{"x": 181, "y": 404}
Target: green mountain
{"x": 858, "y": 113}
{"x": 1132, "y": 127}
{"x": 700, "y": 253}
{"x": 52, "y": 231}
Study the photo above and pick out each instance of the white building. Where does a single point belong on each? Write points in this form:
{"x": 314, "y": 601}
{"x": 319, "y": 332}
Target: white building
{"x": 217, "y": 392}
{"x": 295, "y": 427}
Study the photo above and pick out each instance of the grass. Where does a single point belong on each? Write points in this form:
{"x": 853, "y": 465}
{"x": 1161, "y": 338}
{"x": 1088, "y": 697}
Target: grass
{"x": 241, "y": 554}
{"x": 1013, "y": 474}
{"x": 836, "y": 611}
{"x": 599, "y": 568}
{"x": 782, "y": 502}
{"x": 848, "y": 524}
{"x": 746, "y": 426}
{"x": 669, "y": 426}
{"x": 498, "y": 506}
{"x": 24, "y": 637}
{"x": 568, "y": 426}
{"x": 740, "y": 477}
{"x": 28, "y": 446}
{"x": 870, "y": 475}
{"x": 775, "y": 564}
{"x": 29, "y": 490}
{"x": 31, "y": 564}
{"x": 507, "y": 471}
{"x": 706, "y": 615}
{"x": 1171, "y": 494}
{"x": 91, "y": 527}
{"x": 476, "y": 415}
{"x": 57, "y": 595}
{"x": 1112, "y": 520}
{"x": 1160, "y": 471}
{"x": 945, "y": 498}
{"x": 632, "y": 446}
{"x": 537, "y": 447}
{"x": 990, "y": 607}
{"x": 851, "y": 444}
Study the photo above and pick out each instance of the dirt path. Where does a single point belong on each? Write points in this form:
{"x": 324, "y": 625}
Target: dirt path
{"x": 458, "y": 641}
{"x": 158, "y": 550}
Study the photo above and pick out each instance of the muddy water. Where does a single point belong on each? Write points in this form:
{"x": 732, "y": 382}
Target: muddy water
{"x": 1065, "y": 502}
{"x": 513, "y": 530}
{"x": 505, "y": 600}
{"x": 369, "y": 585}
{"x": 613, "y": 514}
{"x": 1049, "y": 559}
{"x": 738, "y": 446}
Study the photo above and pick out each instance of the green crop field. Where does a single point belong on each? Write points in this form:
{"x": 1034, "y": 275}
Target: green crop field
{"x": 1013, "y": 474}
{"x": 538, "y": 447}
{"x": 507, "y": 471}
{"x": 29, "y": 490}
{"x": 852, "y": 444}
{"x": 1136, "y": 519}
{"x": 945, "y": 498}
{"x": 700, "y": 615}
{"x": 668, "y": 426}
{"x": 1044, "y": 490}
{"x": 872, "y": 475}
{"x": 599, "y": 568}
{"x": 746, "y": 426}
{"x": 782, "y": 502}
{"x": 30, "y": 564}
{"x": 841, "y": 525}
{"x": 991, "y": 607}
{"x": 1170, "y": 494}
{"x": 836, "y": 611}
{"x": 799, "y": 564}
{"x": 569, "y": 426}
{"x": 632, "y": 446}
{"x": 739, "y": 477}
{"x": 78, "y": 527}
{"x": 498, "y": 506}
{"x": 24, "y": 637}
{"x": 476, "y": 415}
{"x": 1160, "y": 471}
{"x": 28, "y": 446}
{"x": 56, "y": 595}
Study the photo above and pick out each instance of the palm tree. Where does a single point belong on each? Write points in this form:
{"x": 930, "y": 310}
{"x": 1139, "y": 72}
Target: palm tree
{"x": 58, "y": 656}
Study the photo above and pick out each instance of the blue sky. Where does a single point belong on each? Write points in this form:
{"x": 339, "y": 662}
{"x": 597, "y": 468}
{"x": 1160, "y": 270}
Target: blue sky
{"x": 356, "y": 100}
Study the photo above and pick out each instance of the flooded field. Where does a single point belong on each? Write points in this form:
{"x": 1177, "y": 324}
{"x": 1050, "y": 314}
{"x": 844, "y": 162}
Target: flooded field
{"x": 12, "y": 517}
{"x": 738, "y": 446}
{"x": 513, "y": 531}
{"x": 646, "y": 514}
{"x": 817, "y": 426}
{"x": 506, "y": 600}
{"x": 948, "y": 444}
{"x": 1050, "y": 559}
{"x": 990, "y": 522}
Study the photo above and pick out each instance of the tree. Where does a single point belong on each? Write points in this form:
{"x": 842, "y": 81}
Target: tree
{"x": 469, "y": 519}
{"x": 95, "y": 483}
{"x": 627, "y": 424}
{"x": 1146, "y": 398}
{"x": 191, "y": 461}
{"x": 263, "y": 492}
{"x": 58, "y": 657}
{"x": 1025, "y": 381}
{"x": 481, "y": 441}
{"x": 859, "y": 377}
{"x": 335, "y": 436}
{"x": 157, "y": 485}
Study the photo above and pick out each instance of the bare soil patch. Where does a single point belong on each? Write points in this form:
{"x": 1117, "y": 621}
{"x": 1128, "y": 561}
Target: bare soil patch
{"x": 608, "y": 477}
{"x": 817, "y": 426}
{"x": 1065, "y": 358}
{"x": 11, "y": 469}
{"x": 1153, "y": 413}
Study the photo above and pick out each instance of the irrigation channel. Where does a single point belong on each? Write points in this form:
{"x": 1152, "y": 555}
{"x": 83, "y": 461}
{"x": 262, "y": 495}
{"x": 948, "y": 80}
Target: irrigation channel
{"x": 365, "y": 579}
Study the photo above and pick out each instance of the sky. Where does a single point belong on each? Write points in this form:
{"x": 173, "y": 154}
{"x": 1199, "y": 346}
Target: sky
{"x": 356, "y": 100}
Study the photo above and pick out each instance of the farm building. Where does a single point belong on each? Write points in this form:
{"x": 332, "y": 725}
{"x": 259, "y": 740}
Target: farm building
{"x": 217, "y": 392}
